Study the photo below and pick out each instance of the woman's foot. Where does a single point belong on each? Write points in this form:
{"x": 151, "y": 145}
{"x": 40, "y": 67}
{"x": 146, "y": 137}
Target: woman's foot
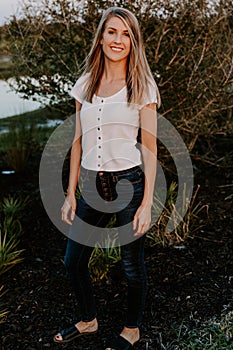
{"x": 82, "y": 328}
{"x": 132, "y": 335}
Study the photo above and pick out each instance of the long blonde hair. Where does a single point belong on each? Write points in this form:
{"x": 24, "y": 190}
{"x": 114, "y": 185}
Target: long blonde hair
{"x": 138, "y": 76}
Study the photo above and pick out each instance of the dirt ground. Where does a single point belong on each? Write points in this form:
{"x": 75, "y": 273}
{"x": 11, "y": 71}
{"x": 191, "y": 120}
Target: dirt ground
{"x": 187, "y": 284}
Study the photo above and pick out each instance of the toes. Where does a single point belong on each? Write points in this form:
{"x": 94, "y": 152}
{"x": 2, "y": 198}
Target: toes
{"x": 58, "y": 337}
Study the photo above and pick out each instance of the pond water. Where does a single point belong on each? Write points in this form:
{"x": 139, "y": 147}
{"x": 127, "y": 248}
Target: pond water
{"x": 11, "y": 103}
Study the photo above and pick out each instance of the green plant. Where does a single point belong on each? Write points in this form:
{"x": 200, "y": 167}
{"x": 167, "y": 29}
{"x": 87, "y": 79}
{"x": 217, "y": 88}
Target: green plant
{"x": 17, "y": 157}
{"x": 13, "y": 207}
{"x": 184, "y": 220}
{"x": 214, "y": 334}
{"x": 3, "y": 312}
{"x": 103, "y": 259}
{"x": 9, "y": 255}
{"x": 18, "y": 145}
{"x": 194, "y": 75}
{"x": 10, "y": 231}
{"x": 12, "y": 226}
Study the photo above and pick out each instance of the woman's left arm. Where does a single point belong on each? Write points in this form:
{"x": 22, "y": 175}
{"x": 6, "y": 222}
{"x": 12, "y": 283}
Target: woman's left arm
{"x": 148, "y": 121}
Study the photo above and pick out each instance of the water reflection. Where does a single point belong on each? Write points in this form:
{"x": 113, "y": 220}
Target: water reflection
{"x": 11, "y": 102}
{"x": 49, "y": 123}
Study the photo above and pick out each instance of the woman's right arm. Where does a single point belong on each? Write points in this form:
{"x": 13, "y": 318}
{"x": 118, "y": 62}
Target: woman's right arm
{"x": 69, "y": 207}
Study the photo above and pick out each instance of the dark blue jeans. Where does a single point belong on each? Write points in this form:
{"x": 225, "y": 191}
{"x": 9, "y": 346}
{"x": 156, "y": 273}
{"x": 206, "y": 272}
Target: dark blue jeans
{"x": 77, "y": 256}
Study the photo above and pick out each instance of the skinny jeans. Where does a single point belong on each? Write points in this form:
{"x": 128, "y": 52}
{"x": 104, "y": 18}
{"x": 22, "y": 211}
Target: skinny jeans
{"x": 108, "y": 188}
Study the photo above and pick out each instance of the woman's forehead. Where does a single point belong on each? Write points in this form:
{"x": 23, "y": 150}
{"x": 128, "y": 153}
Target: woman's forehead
{"x": 116, "y": 23}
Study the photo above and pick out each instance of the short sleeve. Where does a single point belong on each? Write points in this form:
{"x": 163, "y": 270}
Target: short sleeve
{"x": 77, "y": 90}
{"x": 152, "y": 95}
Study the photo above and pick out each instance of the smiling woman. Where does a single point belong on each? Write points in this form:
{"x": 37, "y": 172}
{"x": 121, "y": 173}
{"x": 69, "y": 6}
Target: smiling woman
{"x": 116, "y": 42}
{"x": 115, "y": 95}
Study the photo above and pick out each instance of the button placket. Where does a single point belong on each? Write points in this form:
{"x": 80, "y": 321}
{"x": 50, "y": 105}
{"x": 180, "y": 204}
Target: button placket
{"x": 99, "y": 133}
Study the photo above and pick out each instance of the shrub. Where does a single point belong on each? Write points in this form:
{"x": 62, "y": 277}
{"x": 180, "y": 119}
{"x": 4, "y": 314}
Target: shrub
{"x": 188, "y": 45}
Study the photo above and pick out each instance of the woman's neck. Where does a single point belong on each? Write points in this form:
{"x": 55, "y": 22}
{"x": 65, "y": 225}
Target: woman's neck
{"x": 114, "y": 71}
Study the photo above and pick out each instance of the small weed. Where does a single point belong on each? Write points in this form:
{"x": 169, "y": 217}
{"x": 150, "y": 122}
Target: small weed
{"x": 9, "y": 255}
{"x": 3, "y": 312}
{"x": 184, "y": 220}
{"x": 103, "y": 259}
{"x": 13, "y": 207}
{"x": 214, "y": 334}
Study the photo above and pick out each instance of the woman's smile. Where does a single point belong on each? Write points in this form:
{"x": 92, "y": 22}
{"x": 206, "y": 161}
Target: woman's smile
{"x": 116, "y": 40}
{"x": 117, "y": 49}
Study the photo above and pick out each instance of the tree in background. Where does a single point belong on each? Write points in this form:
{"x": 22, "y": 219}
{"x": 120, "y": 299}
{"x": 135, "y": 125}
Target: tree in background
{"x": 188, "y": 45}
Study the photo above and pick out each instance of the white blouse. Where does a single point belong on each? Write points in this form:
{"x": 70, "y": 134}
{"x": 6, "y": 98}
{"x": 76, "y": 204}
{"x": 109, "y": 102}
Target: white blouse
{"x": 109, "y": 129}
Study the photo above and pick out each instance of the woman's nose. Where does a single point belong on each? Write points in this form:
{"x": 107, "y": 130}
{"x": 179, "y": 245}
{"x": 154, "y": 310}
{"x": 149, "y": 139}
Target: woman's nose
{"x": 118, "y": 38}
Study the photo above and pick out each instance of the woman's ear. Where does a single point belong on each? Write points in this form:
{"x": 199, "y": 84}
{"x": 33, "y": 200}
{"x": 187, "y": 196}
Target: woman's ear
{"x": 101, "y": 41}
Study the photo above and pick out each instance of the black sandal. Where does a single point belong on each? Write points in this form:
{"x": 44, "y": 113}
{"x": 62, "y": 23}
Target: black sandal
{"x": 70, "y": 334}
{"x": 120, "y": 343}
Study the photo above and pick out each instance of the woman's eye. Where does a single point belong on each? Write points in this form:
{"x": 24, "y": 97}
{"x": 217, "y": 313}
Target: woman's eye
{"x": 127, "y": 34}
{"x": 110, "y": 32}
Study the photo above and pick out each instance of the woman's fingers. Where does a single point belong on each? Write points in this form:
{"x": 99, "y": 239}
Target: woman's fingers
{"x": 135, "y": 221}
{"x": 72, "y": 216}
{"x": 142, "y": 228}
{"x": 142, "y": 220}
{"x": 68, "y": 212}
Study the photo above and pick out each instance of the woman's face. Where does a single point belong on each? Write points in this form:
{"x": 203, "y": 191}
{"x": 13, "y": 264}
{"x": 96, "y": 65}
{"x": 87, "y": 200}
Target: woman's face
{"x": 116, "y": 42}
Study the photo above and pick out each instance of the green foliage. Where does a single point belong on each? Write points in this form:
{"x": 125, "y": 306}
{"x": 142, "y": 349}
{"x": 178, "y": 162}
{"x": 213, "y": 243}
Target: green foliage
{"x": 184, "y": 220}
{"x": 17, "y": 145}
{"x": 213, "y": 334}
{"x": 188, "y": 45}
{"x": 103, "y": 259}
{"x": 3, "y": 313}
{"x": 20, "y": 143}
{"x": 12, "y": 207}
{"x": 10, "y": 231}
{"x": 9, "y": 255}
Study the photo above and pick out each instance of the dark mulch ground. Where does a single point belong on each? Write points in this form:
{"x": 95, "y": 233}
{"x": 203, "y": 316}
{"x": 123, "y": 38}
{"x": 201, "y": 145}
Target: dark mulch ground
{"x": 186, "y": 285}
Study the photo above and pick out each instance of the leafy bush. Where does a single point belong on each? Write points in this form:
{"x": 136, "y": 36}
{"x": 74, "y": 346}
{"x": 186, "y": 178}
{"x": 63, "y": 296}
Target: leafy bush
{"x": 188, "y": 45}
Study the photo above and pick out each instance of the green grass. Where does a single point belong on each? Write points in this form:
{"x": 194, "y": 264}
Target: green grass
{"x": 188, "y": 218}
{"x": 39, "y": 116}
{"x": 103, "y": 259}
{"x": 214, "y": 334}
{"x": 27, "y": 133}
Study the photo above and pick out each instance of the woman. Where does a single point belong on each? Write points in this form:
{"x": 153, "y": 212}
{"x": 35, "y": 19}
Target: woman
{"x": 114, "y": 97}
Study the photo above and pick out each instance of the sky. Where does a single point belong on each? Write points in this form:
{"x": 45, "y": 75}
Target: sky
{"x": 7, "y": 8}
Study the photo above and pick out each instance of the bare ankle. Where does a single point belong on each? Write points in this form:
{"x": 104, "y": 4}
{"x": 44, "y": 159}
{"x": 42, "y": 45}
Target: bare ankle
{"x": 131, "y": 334}
{"x": 84, "y": 325}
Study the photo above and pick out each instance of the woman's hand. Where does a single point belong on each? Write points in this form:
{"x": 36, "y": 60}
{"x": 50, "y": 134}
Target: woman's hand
{"x": 142, "y": 219}
{"x": 68, "y": 209}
